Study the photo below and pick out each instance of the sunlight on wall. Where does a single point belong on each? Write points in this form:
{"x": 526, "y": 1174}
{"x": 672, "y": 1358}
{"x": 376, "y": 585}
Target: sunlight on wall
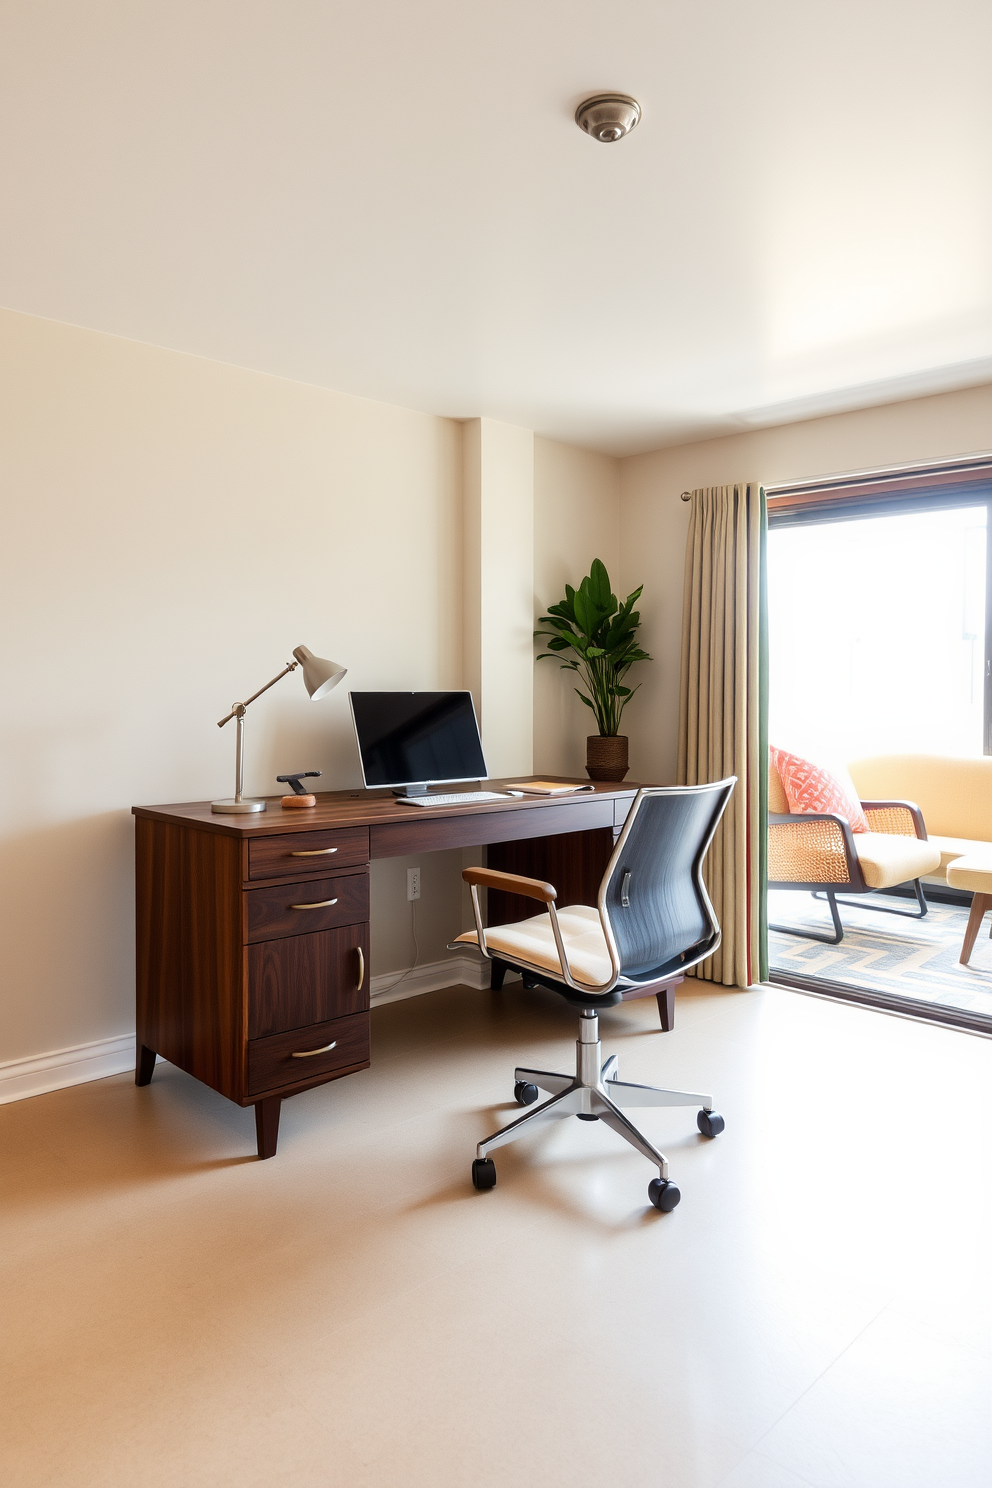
{"x": 876, "y": 630}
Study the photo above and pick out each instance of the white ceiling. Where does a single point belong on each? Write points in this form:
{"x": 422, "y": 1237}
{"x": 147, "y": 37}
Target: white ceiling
{"x": 390, "y": 198}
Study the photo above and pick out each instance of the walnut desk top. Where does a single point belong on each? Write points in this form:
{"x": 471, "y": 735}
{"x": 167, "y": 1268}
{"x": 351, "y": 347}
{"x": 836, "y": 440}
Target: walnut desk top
{"x": 396, "y": 829}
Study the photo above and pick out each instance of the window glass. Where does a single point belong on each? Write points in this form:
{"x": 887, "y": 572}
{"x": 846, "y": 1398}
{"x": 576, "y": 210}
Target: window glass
{"x": 877, "y": 635}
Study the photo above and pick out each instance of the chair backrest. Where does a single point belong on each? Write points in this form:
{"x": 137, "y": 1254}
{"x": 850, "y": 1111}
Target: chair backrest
{"x": 652, "y": 899}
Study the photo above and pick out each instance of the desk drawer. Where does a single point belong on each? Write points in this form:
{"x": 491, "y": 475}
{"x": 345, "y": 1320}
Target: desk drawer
{"x": 299, "y": 854}
{"x": 301, "y": 908}
{"x": 288, "y": 1058}
{"x": 428, "y": 831}
{"x": 307, "y": 979}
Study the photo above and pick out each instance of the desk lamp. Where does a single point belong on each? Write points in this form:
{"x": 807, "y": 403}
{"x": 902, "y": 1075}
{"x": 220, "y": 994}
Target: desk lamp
{"x": 319, "y": 677}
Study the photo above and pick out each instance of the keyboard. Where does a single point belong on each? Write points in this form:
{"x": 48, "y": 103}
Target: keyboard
{"x": 458, "y": 798}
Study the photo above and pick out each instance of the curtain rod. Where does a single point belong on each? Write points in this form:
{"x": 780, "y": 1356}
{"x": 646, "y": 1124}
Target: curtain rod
{"x": 979, "y": 461}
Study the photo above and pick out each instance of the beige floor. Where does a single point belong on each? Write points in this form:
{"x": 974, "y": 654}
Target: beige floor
{"x": 816, "y": 1312}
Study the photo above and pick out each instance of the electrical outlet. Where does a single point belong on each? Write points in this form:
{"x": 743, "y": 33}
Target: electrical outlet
{"x": 413, "y": 883}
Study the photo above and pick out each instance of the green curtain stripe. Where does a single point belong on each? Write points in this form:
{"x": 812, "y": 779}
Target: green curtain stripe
{"x": 762, "y": 833}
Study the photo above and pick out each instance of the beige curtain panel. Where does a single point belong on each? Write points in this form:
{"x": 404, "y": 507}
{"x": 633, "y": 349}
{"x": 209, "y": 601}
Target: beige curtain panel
{"x": 723, "y": 709}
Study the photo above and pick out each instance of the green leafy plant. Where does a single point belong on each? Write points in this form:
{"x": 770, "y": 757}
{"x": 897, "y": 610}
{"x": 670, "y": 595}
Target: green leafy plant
{"x": 602, "y": 635}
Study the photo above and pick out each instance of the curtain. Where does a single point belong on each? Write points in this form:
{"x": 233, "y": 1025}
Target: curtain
{"x": 723, "y": 713}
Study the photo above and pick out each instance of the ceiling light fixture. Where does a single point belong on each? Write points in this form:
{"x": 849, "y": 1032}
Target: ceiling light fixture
{"x": 608, "y": 116}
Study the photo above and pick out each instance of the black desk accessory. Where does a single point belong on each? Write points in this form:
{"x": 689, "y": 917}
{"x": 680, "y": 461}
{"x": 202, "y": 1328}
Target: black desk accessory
{"x": 300, "y": 799}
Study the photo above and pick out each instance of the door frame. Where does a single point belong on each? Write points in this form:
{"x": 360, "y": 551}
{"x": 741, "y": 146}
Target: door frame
{"x": 887, "y": 492}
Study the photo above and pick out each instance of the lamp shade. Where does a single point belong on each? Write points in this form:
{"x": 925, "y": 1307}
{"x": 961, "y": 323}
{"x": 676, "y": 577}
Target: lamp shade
{"x": 319, "y": 676}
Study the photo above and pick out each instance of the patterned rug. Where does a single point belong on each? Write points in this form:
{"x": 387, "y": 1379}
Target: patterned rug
{"x": 911, "y": 958}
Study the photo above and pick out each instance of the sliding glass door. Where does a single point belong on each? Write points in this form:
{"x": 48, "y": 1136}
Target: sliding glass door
{"x": 880, "y": 642}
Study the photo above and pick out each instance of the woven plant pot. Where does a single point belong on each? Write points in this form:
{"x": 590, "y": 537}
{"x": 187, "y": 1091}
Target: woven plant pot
{"x": 606, "y": 756}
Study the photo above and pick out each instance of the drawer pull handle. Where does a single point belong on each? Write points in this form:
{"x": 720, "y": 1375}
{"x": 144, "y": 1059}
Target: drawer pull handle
{"x": 320, "y": 904}
{"x": 361, "y": 968}
{"x": 313, "y": 852}
{"x": 309, "y": 1053}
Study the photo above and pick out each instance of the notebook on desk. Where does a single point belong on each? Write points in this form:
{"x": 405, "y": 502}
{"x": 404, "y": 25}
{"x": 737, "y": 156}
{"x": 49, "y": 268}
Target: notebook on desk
{"x": 547, "y": 788}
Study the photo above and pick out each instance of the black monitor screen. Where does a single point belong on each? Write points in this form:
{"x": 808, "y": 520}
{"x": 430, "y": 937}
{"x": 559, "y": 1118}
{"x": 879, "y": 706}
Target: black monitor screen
{"x": 407, "y": 738}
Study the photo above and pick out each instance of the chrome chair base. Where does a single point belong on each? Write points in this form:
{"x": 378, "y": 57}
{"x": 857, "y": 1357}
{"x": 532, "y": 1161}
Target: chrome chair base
{"x": 595, "y": 1092}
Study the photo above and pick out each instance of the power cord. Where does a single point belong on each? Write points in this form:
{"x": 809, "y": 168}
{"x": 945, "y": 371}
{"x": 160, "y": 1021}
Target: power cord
{"x": 416, "y": 951}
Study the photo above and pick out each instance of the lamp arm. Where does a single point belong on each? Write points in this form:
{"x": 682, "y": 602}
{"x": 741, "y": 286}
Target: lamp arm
{"x": 240, "y": 707}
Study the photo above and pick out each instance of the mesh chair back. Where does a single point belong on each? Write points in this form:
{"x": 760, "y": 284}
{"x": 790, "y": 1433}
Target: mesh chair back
{"x": 653, "y": 899}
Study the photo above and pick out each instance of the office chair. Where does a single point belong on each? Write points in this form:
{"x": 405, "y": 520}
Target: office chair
{"x": 654, "y": 919}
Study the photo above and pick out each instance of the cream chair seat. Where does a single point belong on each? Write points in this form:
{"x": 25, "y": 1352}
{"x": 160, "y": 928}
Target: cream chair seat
{"x": 533, "y": 941}
{"x": 884, "y": 859}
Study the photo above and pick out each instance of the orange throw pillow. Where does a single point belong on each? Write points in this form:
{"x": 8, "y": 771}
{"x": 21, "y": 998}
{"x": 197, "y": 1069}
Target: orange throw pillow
{"x": 809, "y": 787}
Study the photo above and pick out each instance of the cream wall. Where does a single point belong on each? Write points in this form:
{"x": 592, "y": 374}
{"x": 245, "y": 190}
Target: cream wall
{"x": 172, "y": 528}
{"x": 498, "y": 581}
{"x": 654, "y": 521}
{"x": 576, "y": 519}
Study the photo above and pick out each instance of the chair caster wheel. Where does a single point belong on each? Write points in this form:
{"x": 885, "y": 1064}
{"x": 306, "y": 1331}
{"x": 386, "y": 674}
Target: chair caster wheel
{"x": 484, "y": 1173}
{"x": 524, "y": 1093}
{"x": 585, "y": 1116}
{"x": 663, "y": 1194}
{"x": 710, "y": 1123}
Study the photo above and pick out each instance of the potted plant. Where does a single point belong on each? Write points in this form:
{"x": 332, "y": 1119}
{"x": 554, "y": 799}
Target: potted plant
{"x": 601, "y": 633}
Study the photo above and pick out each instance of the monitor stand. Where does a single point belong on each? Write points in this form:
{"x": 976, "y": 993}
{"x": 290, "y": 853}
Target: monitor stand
{"x": 416, "y": 789}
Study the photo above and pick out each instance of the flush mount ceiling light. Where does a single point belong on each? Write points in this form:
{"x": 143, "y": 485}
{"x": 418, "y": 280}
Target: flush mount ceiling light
{"x": 608, "y": 116}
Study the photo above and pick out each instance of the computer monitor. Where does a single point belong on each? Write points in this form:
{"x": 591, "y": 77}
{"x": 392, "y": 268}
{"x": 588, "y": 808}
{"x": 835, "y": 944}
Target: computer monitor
{"x": 409, "y": 740}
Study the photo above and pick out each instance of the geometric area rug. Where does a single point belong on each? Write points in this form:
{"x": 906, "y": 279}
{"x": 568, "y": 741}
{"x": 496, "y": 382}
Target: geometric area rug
{"x": 911, "y": 958}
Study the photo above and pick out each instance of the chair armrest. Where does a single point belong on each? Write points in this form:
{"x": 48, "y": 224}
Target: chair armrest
{"x": 799, "y": 833}
{"x": 897, "y": 818}
{"x": 533, "y": 888}
{"x": 510, "y": 883}
{"x": 799, "y": 818}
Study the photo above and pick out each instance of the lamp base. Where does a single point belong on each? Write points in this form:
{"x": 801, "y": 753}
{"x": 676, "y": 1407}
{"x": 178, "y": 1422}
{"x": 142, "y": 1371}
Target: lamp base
{"x": 236, "y": 808}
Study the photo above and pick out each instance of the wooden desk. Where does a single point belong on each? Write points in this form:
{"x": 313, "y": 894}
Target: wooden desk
{"x": 253, "y": 931}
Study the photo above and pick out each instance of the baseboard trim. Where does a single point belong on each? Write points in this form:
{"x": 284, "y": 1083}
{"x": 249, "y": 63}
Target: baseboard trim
{"x": 22, "y": 1078}
{"x": 453, "y": 971}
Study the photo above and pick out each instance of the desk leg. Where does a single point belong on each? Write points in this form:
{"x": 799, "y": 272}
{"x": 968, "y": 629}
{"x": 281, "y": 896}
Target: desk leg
{"x": 145, "y": 1065}
{"x": 267, "y": 1124}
